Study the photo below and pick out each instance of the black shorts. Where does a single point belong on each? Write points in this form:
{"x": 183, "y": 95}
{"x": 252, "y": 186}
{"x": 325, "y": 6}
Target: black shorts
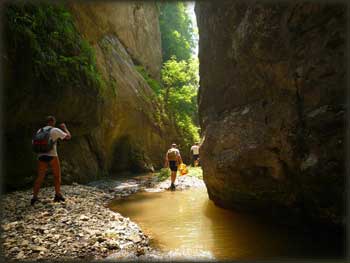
{"x": 195, "y": 157}
{"x": 173, "y": 166}
{"x": 45, "y": 158}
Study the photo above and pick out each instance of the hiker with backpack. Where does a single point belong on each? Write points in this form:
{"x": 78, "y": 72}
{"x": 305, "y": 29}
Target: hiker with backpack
{"x": 172, "y": 160}
{"x": 45, "y": 145}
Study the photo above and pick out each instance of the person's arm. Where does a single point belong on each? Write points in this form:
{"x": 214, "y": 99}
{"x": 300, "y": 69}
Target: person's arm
{"x": 166, "y": 163}
{"x": 64, "y": 128}
{"x": 179, "y": 159}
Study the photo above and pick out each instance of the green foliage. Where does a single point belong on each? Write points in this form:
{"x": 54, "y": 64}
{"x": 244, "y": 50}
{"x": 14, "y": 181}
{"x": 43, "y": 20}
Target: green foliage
{"x": 154, "y": 84}
{"x": 159, "y": 114}
{"x": 195, "y": 172}
{"x": 180, "y": 71}
{"x": 176, "y": 31}
{"x": 113, "y": 85}
{"x": 178, "y": 96}
{"x": 180, "y": 79}
{"x": 163, "y": 174}
{"x": 44, "y": 35}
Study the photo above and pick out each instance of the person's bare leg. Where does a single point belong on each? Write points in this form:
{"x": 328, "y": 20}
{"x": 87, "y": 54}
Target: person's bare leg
{"x": 56, "y": 170}
{"x": 173, "y": 177}
{"x": 42, "y": 167}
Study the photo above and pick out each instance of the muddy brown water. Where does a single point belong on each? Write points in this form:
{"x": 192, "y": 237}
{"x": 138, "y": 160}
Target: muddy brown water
{"x": 189, "y": 223}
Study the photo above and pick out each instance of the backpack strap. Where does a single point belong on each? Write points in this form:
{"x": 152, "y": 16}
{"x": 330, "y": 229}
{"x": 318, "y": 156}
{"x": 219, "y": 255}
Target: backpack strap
{"x": 42, "y": 129}
{"x": 49, "y": 129}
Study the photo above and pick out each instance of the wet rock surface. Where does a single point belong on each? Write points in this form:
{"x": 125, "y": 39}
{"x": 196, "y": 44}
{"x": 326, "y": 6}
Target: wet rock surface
{"x": 81, "y": 227}
{"x": 154, "y": 255}
{"x": 181, "y": 183}
{"x": 272, "y": 107}
{"x": 148, "y": 183}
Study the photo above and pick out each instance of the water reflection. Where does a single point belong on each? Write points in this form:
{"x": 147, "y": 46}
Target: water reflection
{"x": 187, "y": 221}
{"x": 241, "y": 236}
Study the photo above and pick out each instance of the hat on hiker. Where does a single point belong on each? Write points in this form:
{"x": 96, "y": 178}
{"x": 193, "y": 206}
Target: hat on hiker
{"x": 173, "y": 145}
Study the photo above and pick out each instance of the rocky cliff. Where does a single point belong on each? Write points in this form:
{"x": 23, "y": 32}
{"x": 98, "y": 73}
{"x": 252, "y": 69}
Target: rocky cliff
{"x": 272, "y": 106}
{"x": 125, "y": 35}
{"x": 116, "y": 124}
{"x": 134, "y": 23}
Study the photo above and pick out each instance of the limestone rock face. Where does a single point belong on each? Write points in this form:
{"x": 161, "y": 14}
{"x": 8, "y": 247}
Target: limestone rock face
{"x": 272, "y": 106}
{"x": 134, "y": 23}
{"x": 118, "y": 128}
{"x": 123, "y": 35}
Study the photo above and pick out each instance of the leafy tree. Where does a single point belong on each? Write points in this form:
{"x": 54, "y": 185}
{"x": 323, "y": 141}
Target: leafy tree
{"x": 180, "y": 80}
{"x": 177, "y": 94}
{"x": 176, "y": 30}
{"x": 180, "y": 70}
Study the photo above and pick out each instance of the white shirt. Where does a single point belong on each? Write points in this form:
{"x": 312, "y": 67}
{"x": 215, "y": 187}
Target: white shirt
{"x": 195, "y": 149}
{"x": 177, "y": 152}
{"x": 55, "y": 134}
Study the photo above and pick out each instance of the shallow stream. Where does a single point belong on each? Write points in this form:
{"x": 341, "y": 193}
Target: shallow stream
{"x": 190, "y": 224}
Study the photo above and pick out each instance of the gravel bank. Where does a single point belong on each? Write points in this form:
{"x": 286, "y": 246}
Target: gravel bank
{"x": 82, "y": 227}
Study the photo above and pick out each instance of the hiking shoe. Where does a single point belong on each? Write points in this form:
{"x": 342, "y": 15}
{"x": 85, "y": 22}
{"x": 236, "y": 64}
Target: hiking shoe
{"x": 33, "y": 200}
{"x": 59, "y": 198}
{"x": 172, "y": 187}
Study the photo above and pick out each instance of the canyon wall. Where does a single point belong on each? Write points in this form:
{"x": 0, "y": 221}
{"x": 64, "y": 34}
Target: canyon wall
{"x": 116, "y": 127}
{"x": 272, "y": 106}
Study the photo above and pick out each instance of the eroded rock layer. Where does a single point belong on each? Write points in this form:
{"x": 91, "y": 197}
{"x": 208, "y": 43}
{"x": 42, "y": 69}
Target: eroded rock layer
{"x": 272, "y": 106}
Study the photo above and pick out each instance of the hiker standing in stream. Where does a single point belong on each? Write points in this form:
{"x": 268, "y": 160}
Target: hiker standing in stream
{"x": 45, "y": 144}
{"x": 172, "y": 160}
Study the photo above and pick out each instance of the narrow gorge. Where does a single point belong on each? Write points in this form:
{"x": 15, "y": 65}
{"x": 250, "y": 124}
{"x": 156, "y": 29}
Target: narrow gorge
{"x": 267, "y": 107}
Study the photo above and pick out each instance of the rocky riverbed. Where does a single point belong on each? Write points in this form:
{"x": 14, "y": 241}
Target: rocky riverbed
{"x": 82, "y": 226}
